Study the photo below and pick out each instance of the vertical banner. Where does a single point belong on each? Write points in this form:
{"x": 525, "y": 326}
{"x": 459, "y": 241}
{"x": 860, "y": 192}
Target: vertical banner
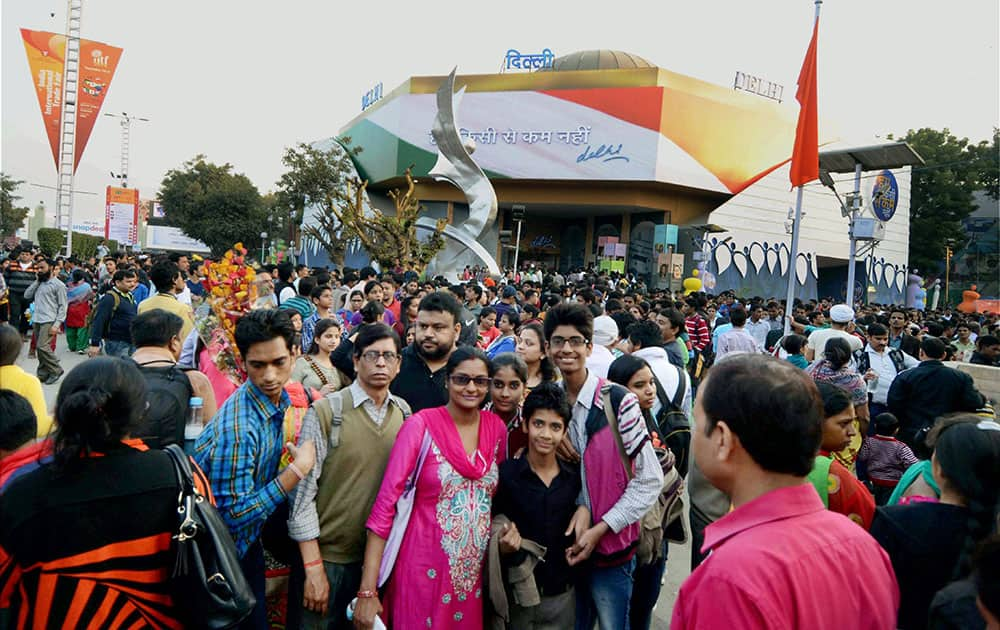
{"x": 46, "y": 59}
{"x": 121, "y": 215}
{"x": 97, "y": 66}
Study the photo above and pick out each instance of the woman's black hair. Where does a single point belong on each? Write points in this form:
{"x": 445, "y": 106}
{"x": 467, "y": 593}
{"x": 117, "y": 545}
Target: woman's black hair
{"x": 404, "y": 306}
{"x": 546, "y": 369}
{"x": 793, "y": 344}
{"x": 370, "y": 286}
{"x": 371, "y": 312}
{"x": 624, "y": 368}
{"x": 837, "y": 352}
{"x": 512, "y": 361}
{"x": 835, "y": 400}
{"x": 969, "y": 456}
{"x": 464, "y": 353}
{"x": 99, "y": 404}
{"x": 321, "y": 327}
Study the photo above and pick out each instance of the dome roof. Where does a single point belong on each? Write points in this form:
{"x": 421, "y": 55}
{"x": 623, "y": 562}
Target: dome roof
{"x": 598, "y": 60}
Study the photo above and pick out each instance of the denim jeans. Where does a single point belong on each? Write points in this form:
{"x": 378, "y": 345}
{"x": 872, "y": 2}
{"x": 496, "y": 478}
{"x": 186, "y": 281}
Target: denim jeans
{"x": 344, "y": 579}
{"x": 603, "y": 596}
{"x": 646, "y": 591}
{"x": 120, "y": 349}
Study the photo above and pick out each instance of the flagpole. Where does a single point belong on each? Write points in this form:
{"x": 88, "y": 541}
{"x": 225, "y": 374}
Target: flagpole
{"x": 793, "y": 259}
{"x": 794, "y": 253}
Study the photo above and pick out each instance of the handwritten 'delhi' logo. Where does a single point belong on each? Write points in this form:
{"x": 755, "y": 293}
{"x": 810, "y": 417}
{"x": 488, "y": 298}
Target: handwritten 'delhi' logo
{"x": 98, "y": 58}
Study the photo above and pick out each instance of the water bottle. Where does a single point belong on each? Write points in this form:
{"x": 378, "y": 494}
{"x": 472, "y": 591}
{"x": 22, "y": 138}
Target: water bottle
{"x": 378, "y": 625}
{"x": 194, "y": 424}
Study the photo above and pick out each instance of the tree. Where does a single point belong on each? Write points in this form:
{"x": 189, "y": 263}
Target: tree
{"x": 318, "y": 177}
{"x": 941, "y": 191}
{"x": 11, "y": 216}
{"x": 212, "y": 204}
{"x": 327, "y": 178}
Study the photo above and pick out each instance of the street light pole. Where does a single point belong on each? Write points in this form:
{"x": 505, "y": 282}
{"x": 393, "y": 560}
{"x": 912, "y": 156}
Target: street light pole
{"x": 263, "y": 246}
{"x": 947, "y": 272}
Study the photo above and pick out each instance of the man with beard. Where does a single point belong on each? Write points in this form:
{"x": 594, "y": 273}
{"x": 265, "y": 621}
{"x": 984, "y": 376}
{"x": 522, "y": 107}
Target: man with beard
{"x": 50, "y": 312}
{"x": 421, "y": 379}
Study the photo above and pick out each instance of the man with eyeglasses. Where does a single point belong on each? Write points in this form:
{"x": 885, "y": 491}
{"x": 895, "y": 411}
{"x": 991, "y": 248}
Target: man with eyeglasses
{"x": 620, "y": 474}
{"x": 354, "y": 430}
{"x": 421, "y": 380}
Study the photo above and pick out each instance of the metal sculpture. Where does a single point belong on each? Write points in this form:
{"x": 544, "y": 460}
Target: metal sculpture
{"x": 456, "y": 166}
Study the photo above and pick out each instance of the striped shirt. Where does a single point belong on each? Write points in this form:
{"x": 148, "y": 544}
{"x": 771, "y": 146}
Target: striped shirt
{"x": 239, "y": 450}
{"x": 887, "y": 457}
{"x": 92, "y": 547}
{"x": 697, "y": 330}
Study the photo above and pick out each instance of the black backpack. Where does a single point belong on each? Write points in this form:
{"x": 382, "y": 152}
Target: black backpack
{"x": 169, "y": 395}
{"x": 672, "y": 424}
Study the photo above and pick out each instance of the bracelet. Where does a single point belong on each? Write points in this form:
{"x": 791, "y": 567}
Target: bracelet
{"x": 367, "y": 594}
{"x": 295, "y": 469}
{"x": 314, "y": 563}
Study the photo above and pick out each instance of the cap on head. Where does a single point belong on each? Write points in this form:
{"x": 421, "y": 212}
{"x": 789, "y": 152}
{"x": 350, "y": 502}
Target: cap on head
{"x": 605, "y": 330}
{"x": 842, "y": 314}
{"x": 509, "y": 291}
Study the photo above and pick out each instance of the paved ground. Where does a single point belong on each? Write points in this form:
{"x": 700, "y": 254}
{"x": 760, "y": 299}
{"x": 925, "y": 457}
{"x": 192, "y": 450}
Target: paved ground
{"x": 677, "y": 563}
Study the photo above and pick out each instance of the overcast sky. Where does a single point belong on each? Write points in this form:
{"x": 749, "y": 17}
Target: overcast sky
{"x": 240, "y": 81}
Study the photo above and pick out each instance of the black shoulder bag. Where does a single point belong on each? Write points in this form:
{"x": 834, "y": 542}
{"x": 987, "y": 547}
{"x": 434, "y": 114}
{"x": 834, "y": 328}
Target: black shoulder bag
{"x": 207, "y": 580}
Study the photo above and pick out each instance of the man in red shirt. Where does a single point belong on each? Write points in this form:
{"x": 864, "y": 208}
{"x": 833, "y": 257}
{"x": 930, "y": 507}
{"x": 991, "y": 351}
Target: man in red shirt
{"x": 779, "y": 559}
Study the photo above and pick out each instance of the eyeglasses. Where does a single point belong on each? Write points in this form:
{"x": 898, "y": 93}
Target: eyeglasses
{"x": 462, "y": 380}
{"x": 574, "y": 342}
{"x": 372, "y": 357}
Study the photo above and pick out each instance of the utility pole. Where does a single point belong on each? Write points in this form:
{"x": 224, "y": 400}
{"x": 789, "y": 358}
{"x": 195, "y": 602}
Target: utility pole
{"x": 126, "y": 123}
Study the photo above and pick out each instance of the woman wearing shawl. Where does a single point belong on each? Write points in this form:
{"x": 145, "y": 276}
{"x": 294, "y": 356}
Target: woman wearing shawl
{"x": 437, "y": 579}
{"x": 78, "y": 298}
{"x": 836, "y": 369}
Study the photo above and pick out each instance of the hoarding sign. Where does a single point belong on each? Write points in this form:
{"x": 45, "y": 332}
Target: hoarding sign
{"x": 121, "y": 215}
{"x": 172, "y": 239}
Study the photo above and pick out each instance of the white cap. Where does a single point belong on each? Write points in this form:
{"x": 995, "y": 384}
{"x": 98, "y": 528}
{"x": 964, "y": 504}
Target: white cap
{"x": 842, "y": 313}
{"x": 605, "y": 330}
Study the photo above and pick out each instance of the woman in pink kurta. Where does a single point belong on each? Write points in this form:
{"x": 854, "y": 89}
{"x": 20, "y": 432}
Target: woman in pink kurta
{"x": 437, "y": 578}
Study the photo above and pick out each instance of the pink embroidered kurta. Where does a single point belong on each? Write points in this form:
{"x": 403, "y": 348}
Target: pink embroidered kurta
{"x": 437, "y": 579}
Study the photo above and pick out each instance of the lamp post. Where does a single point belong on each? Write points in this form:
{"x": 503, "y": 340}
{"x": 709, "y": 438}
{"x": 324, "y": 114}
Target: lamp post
{"x": 947, "y": 271}
{"x": 263, "y": 246}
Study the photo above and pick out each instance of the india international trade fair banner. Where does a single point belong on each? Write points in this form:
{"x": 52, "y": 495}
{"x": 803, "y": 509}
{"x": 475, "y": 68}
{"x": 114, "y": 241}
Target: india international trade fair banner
{"x": 46, "y": 58}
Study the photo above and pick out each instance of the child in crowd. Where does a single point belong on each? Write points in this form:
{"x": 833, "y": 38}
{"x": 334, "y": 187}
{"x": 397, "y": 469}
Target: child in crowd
{"x": 537, "y": 493}
{"x": 886, "y": 457}
{"x": 793, "y": 344}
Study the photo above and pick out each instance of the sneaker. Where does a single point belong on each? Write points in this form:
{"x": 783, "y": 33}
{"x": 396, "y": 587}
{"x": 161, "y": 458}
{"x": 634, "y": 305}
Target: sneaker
{"x": 52, "y": 379}
{"x": 81, "y": 352}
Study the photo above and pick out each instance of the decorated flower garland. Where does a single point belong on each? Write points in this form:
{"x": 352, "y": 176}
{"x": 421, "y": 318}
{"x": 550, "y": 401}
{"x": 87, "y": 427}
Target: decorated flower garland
{"x": 230, "y": 294}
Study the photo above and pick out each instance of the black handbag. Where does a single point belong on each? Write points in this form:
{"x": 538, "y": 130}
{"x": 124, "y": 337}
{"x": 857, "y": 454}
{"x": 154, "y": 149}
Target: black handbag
{"x": 208, "y": 584}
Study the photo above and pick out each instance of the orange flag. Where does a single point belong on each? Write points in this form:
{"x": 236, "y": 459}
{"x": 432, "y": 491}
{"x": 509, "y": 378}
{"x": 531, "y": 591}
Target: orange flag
{"x": 805, "y": 154}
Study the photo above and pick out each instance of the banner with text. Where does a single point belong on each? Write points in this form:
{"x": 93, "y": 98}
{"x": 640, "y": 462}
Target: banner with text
{"x": 121, "y": 215}
{"x": 46, "y": 59}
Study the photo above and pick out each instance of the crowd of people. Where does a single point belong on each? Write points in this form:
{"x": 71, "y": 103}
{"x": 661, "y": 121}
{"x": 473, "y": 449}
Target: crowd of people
{"x": 495, "y": 452}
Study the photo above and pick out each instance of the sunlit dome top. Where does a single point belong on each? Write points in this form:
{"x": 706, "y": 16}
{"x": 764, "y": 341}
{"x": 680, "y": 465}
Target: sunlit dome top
{"x": 598, "y": 60}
